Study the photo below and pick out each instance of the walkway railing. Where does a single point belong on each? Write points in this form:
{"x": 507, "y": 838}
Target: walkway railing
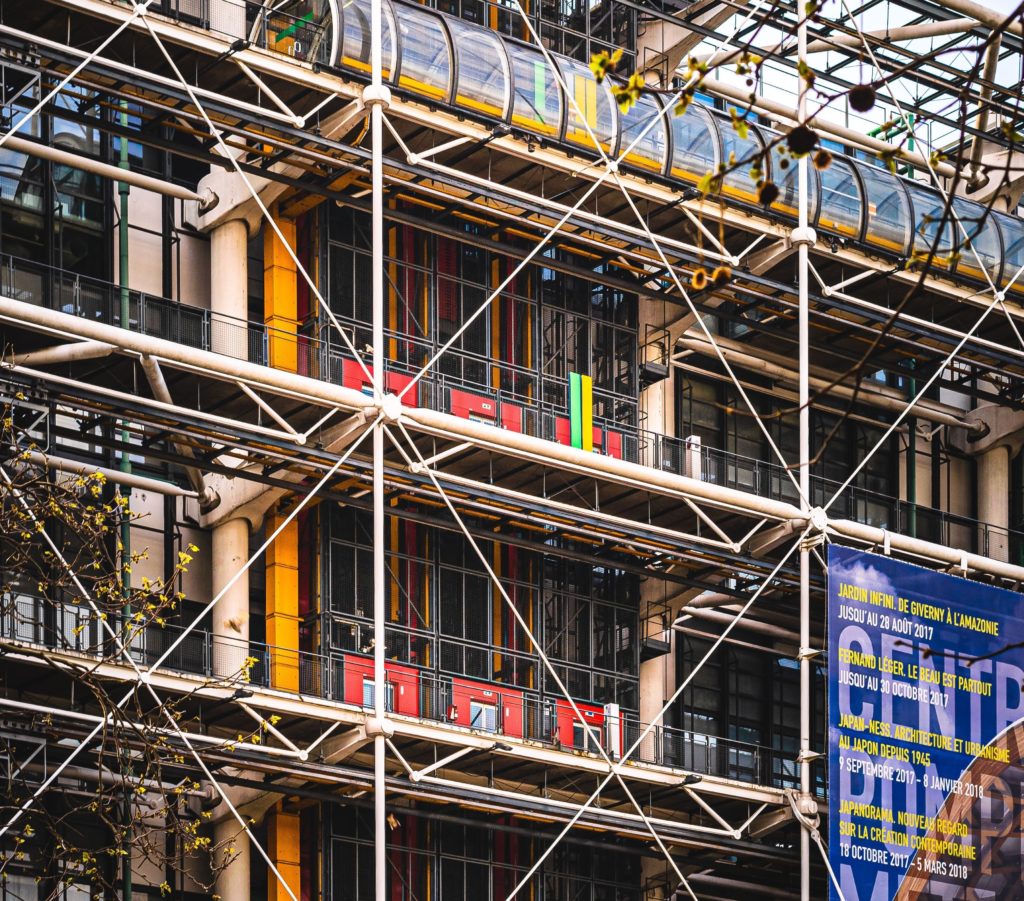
{"x": 323, "y": 358}
{"x": 521, "y": 713}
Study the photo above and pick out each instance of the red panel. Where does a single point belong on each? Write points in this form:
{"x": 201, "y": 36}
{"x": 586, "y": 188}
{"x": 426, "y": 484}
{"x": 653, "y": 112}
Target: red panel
{"x": 512, "y": 417}
{"x": 563, "y": 434}
{"x": 509, "y": 699}
{"x": 593, "y": 714}
{"x": 396, "y": 383}
{"x": 614, "y": 448}
{"x": 352, "y": 376}
{"x": 473, "y": 406}
{"x": 356, "y": 669}
{"x": 405, "y": 680}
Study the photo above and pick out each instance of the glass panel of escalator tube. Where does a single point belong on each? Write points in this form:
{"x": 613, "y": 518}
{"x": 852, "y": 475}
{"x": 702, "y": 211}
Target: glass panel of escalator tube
{"x": 929, "y": 207}
{"x": 694, "y": 144}
{"x": 483, "y": 83}
{"x": 594, "y": 107}
{"x": 977, "y": 241}
{"x": 739, "y": 154}
{"x": 425, "y": 65}
{"x": 537, "y": 100}
{"x": 355, "y": 37}
{"x": 841, "y": 202}
{"x": 1012, "y": 230}
{"x": 646, "y": 118}
{"x": 888, "y": 218}
{"x": 784, "y": 174}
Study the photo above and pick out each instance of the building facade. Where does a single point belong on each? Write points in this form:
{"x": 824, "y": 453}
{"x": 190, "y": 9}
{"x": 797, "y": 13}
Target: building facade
{"x": 575, "y": 547}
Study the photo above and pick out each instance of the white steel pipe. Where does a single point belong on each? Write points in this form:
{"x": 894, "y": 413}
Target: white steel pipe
{"x": 803, "y": 237}
{"x": 900, "y": 33}
{"x": 978, "y": 178}
{"x": 846, "y": 135}
{"x": 115, "y": 173}
{"x": 987, "y": 15}
{"x": 130, "y": 480}
{"x": 216, "y": 365}
{"x": 724, "y": 617}
{"x": 314, "y": 391}
{"x": 632, "y": 474}
{"x": 208, "y": 498}
{"x": 377, "y": 97}
{"x": 925, "y": 550}
{"x": 63, "y": 353}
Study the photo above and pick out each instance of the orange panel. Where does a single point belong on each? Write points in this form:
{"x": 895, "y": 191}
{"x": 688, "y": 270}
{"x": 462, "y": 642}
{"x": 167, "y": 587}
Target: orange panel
{"x": 283, "y": 839}
{"x": 280, "y": 295}
{"x": 283, "y": 604}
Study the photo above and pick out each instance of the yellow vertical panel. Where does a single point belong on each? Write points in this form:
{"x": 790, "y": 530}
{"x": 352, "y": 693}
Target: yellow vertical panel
{"x": 280, "y": 294}
{"x": 283, "y": 604}
{"x": 284, "y": 847}
{"x": 496, "y": 326}
{"x": 587, "y": 410}
{"x": 392, "y": 352}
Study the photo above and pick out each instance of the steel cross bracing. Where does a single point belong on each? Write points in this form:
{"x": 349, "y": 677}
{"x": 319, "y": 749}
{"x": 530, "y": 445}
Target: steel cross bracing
{"x": 747, "y": 281}
{"x": 413, "y": 417}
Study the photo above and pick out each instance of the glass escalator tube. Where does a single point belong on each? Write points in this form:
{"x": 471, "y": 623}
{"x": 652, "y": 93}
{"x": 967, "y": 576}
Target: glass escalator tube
{"x": 978, "y": 242}
{"x": 594, "y": 107}
{"x": 651, "y": 150}
{"x": 739, "y": 154}
{"x": 887, "y": 223}
{"x": 355, "y": 37}
{"x": 842, "y": 200}
{"x": 508, "y": 80}
{"x": 484, "y": 81}
{"x": 929, "y": 208}
{"x": 695, "y": 147}
{"x": 1012, "y": 230}
{"x": 536, "y": 99}
{"x": 425, "y": 60}
{"x": 784, "y": 174}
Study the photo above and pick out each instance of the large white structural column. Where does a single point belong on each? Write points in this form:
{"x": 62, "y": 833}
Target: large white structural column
{"x": 229, "y": 287}
{"x": 231, "y": 615}
{"x": 233, "y": 881}
{"x": 1001, "y": 431}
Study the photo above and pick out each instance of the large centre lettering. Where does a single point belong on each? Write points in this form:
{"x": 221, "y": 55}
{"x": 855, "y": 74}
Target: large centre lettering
{"x": 925, "y": 732}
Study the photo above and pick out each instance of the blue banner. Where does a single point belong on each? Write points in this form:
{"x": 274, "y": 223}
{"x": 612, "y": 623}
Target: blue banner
{"x": 925, "y": 733}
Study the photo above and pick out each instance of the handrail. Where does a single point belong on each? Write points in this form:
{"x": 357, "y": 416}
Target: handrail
{"x": 316, "y": 357}
{"x": 31, "y": 620}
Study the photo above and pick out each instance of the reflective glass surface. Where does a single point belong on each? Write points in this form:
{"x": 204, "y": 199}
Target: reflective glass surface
{"x": 594, "y": 102}
{"x": 355, "y": 40}
{"x": 928, "y": 209}
{"x": 537, "y": 101}
{"x": 739, "y": 154}
{"x": 888, "y": 211}
{"x": 840, "y": 199}
{"x": 650, "y": 149}
{"x": 1012, "y": 230}
{"x": 426, "y": 62}
{"x": 984, "y": 246}
{"x": 694, "y": 144}
{"x": 784, "y": 174}
{"x": 483, "y": 69}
